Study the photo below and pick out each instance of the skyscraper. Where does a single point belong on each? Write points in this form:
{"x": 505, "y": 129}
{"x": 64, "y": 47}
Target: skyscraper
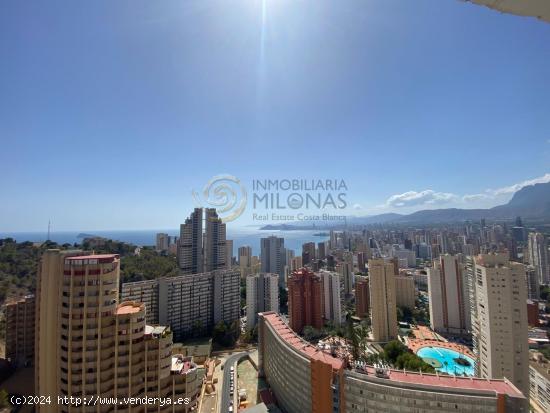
{"x": 362, "y": 298}
{"x": 501, "y": 320}
{"x": 262, "y": 294}
{"x": 215, "y": 248}
{"x": 200, "y": 252}
{"x": 272, "y": 257}
{"x": 321, "y": 250}
{"x": 362, "y": 261}
{"x": 190, "y": 253}
{"x": 532, "y": 282}
{"x": 228, "y": 254}
{"x": 345, "y": 269}
{"x": 308, "y": 252}
{"x": 447, "y": 294}
{"x": 89, "y": 345}
{"x": 305, "y": 306}
{"x": 538, "y": 256}
{"x": 382, "y": 300}
{"x": 333, "y": 296}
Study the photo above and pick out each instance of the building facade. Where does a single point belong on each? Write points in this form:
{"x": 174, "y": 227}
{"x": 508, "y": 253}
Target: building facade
{"x": 20, "y": 325}
{"x": 273, "y": 257}
{"x": 538, "y": 256}
{"x": 382, "y": 300}
{"x": 262, "y": 294}
{"x": 190, "y": 252}
{"x": 190, "y": 304}
{"x": 333, "y": 296}
{"x": 405, "y": 293}
{"x": 215, "y": 248}
{"x": 362, "y": 297}
{"x": 448, "y": 295}
{"x": 500, "y": 332}
{"x": 305, "y": 300}
{"x": 539, "y": 384}
{"x": 304, "y": 378}
{"x": 88, "y": 344}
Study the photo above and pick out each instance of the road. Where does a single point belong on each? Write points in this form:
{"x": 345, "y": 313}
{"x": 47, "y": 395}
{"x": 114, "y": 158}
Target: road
{"x": 231, "y": 361}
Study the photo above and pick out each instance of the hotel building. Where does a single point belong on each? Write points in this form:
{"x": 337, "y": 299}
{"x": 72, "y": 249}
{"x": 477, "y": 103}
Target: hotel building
{"x": 304, "y": 378}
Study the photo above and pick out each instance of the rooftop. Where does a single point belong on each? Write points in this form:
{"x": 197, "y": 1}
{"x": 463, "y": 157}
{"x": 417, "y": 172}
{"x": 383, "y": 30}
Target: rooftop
{"x": 101, "y": 258}
{"x": 451, "y": 382}
{"x": 181, "y": 364}
{"x": 129, "y": 307}
{"x": 308, "y": 350}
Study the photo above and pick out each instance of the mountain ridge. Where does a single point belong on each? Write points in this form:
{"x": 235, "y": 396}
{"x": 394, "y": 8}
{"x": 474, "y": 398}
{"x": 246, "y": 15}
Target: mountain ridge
{"x": 530, "y": 202}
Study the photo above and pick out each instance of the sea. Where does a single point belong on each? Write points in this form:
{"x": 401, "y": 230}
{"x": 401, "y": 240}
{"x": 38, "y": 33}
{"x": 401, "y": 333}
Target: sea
{"x": 249, "y": 236}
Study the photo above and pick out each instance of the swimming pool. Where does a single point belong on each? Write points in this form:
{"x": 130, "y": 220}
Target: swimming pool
{"x": 443, "y": 359}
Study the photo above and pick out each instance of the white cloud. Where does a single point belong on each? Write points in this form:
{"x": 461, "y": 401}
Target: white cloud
{"x": 431, "y": 197}
{"x": 475, "y": 197}
{"x": 516, "y": 187}
{"x": 357, "y": 206}
{"x": 414, "y": 198}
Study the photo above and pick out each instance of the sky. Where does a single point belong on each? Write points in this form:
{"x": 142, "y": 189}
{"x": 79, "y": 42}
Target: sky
{"x": 112, "y": 113}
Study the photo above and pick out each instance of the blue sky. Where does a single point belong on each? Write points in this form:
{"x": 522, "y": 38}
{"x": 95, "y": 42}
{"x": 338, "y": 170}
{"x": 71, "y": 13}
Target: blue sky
{"x": 112, "y": 112}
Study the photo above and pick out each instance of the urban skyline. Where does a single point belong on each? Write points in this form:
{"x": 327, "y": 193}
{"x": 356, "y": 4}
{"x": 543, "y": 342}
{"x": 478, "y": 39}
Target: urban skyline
{"x": 271, "y": 206}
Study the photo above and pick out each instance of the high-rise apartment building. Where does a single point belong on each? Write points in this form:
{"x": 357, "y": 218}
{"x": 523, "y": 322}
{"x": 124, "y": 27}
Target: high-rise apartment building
{"x": 405, "y": 293}
{"x": 362, "y": 261}
{"x": 190, "y": 304}
{"x": 308, "y": 253}
{"x": 262, "y": 294}
{"x": 305, "y": 300}
{"x": 273, "y": 257}
{"x": 532, "y": 283}
{"x": 246, "y": 252}
{"x": 89, "y": 345}
{"x": 500, "y": 328}
{"x": 382, "y": 300}
{"x": 190, "y": 252}
{"x": 146, "y": 292}
{"x": 215, "y": 248}
{"x": 20, "y": 316}
{"x": 228, "y": 254}
{"x": 333, "y": 296}
{"x": 162, "y": 242}
{"x": 538, "y": 256}
{"x": 200, "y": 252}
{"x": 345, "y": 268}
{"x": 321, "y": 250}
{"x": 362, "y": 297}
{"x": 448, "y": 294}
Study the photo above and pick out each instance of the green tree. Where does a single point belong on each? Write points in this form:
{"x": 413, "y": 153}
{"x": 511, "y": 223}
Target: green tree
{"x": 393, "y": 350}
{"x": 4, "y": 399}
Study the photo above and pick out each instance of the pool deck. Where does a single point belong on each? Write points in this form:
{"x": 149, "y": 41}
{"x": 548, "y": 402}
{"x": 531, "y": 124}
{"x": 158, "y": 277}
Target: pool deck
{"x": 424, "y": 337}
